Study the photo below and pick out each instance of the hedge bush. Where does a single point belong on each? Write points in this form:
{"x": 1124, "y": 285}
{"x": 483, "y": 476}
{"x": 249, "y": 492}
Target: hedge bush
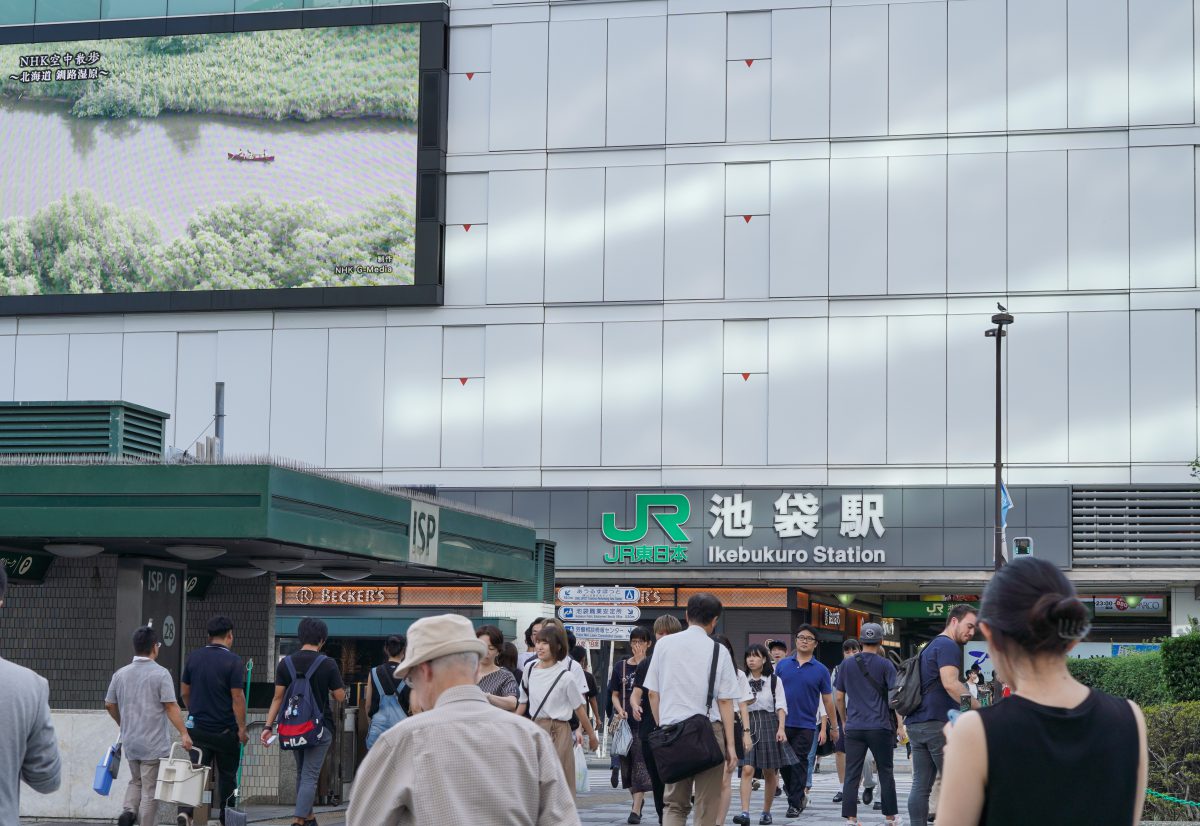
{"x": 1181, "y": 666}
{"x": 1173, "y": 736}
{"x": 1138, "y": 677}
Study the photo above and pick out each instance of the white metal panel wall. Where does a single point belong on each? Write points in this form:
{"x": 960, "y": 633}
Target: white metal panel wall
{"x": 1162, "y": 222}
{"x": 632, "y": 404}
{"x": 695, "y": 231}
{"x": 691, "y": 393}
{"x": 354, "y": 418}
{"x": 858, "y": 226}
{"x": 1037, "y": 220}
{"x": 1098, "y": 226}
{"x": 1099, "y": 387}
{"x": 8, "y": 367}
{"x": 1097, "y": 63}
{"x": 572, "y": 395}
{"x": 695, "y": 73}
{"x": 577, "y": 83}
{"x": 1162, "y": 388}
{"x": 412, "y": 426}
{"x": 518, "y": 106}
{"x": 977, "y": 66}
{"x": 299, "y": 376}
{"x": 1037, "y": 64}
{"x": 798, "y": 393}
{"x": 462, "y": 423}
{"x": 858, "y": 88}
{"x": 800, "y": 56}
{"x": 516, "y": 236}
{"x": 916, "y": 390}
{"x": 575, "y": 235}
{"x": 858, "y": 368}
{"x": 633, "y": 233}
{"x": 637, "y": 81}
{"x": 916, "y": 224}
{"x": 244, "y": 364}
{"x": 1037, "y": 395}
{"x": 976, "y": 250}
{"x": 744, "y": 424}
{"x": 970, "y": 390}
{"x": 799, "y": 228}
{"x": 1161, "y": 79}
{"x": 917, "y": 68}
{"x": 148, "y": 363}
{"x": 511, "y": 429}
{"x": 195, "y": 397}
{"x": 41, "y": 372}
{"x": 94, "y": 367}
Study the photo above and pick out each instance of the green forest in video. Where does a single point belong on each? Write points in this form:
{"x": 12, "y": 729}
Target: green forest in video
{"x": 252, "y": 119}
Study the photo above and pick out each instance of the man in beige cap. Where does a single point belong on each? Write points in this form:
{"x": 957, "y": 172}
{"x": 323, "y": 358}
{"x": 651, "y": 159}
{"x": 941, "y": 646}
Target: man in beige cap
{"x": 444, "y": 766}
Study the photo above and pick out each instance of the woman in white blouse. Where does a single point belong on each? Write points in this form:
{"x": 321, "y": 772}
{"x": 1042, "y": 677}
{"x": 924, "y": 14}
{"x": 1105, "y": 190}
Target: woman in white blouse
{"x": 770, "y": 750}
{"x": 551, "y": 696}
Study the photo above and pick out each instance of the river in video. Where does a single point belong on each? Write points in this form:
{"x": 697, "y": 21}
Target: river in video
{"x": 173, "y": 165}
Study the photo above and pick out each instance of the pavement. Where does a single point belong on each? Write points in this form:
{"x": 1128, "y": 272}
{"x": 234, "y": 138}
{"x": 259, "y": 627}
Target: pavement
{"x": 605, "y": 806}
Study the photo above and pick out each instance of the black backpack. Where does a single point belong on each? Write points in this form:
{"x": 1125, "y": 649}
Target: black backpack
{"x": 905, "y": 697}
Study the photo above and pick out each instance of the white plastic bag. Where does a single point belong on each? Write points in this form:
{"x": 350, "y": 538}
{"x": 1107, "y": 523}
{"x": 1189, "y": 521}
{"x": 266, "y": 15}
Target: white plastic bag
{"x": 622, "y": 738}
{"x": 581, "y": 771}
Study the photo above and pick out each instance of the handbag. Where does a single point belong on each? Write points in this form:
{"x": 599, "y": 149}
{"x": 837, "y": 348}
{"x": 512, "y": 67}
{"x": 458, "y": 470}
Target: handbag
{"x": 622, "y": 738}
{"x": 581, "y": 771}
{"x": 107, "y": 769}
{"x": 689, "y": 747}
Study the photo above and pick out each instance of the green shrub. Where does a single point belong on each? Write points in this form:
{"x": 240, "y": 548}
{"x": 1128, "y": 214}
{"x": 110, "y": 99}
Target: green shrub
{"x": 1173, "y": 737}
{"x": 1181, "y": 666}
{"x": 1137, "y": 677}
{"x": 1090, "y": 672}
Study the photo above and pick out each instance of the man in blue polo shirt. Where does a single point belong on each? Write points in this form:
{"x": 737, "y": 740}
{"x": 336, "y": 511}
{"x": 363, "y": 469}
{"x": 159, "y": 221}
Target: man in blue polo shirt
{"x": 806, "y": 685}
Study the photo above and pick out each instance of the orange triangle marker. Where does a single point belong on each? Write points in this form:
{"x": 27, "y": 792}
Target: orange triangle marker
{"x": 462, "y": 381}
{"x": 746, "y": 218}
{"x": 750, "y": 61}
{"x": 745, "y": 377}
{"x": 466, "y": 227}
{"x": 470, "y": 75}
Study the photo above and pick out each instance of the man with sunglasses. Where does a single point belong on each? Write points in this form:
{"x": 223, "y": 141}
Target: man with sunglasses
{"x": 806, "y": 685}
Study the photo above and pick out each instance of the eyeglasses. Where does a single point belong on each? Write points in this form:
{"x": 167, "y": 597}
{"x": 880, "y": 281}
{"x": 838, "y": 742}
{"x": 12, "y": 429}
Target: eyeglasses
{"x": 805, "y": 638}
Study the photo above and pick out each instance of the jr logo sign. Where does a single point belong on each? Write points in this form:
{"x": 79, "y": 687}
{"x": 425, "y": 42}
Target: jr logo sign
{"x": 671, "y": 511}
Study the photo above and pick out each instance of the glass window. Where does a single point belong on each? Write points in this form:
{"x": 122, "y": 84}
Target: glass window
{"x": 182, "y": 8}
{"x": 269, "y": 5}
{"x": 13, "y": 12}
{"x": 123, "y": 9}
{"x": 66, "y": 11}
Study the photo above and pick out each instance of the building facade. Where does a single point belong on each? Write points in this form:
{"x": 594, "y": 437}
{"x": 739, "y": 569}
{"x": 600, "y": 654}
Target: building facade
{"x": 752, "y": 246}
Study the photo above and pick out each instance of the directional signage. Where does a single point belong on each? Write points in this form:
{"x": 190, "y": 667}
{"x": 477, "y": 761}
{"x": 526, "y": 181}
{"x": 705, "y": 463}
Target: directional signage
{"x": 588, "y": 631}
{"x": 27, "y": 566}
{"x": 602, "y": 613}
{"x": 918, "y": 609}
{"x": 617, "y": 595}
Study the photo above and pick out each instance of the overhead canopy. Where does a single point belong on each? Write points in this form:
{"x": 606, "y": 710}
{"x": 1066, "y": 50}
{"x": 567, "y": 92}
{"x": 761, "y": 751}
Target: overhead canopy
{"x": 261, "y": 511}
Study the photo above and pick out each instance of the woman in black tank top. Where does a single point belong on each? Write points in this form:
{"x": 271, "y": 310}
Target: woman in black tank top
{"x": 1055, "y": 751}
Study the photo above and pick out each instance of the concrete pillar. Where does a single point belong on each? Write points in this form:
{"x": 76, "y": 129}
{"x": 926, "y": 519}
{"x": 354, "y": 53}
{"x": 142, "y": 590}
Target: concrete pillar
{"x": 151, "y": 592}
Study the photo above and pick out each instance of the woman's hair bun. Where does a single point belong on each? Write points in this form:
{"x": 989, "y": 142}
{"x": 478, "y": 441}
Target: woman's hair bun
{"x": 1031, "y": 605}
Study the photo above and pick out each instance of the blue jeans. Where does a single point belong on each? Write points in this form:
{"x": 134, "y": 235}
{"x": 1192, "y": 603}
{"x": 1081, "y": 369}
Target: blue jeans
{"x": 308, "y": 772}
{"x": 927, "y": 744}
{"x": 812, "y": 759}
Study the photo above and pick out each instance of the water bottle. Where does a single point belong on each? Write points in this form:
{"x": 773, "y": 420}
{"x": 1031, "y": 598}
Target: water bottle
{"x": 191, "y": 722}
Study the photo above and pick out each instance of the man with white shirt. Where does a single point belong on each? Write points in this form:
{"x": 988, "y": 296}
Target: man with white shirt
{"x": 678, "y": 684}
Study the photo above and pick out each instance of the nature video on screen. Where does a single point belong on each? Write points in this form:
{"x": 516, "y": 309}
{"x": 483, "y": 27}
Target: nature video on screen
{"x": 232, "y": 161}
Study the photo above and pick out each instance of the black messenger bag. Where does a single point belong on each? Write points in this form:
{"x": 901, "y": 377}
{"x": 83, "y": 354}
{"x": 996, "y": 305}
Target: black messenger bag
{"x": 685, "y": 749}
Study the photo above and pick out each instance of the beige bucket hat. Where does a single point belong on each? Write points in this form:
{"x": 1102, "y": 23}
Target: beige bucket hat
{"x": 438, "y": 636}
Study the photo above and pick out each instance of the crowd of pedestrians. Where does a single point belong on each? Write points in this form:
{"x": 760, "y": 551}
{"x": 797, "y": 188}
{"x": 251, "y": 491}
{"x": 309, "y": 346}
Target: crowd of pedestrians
{"x": 452, "y": 706}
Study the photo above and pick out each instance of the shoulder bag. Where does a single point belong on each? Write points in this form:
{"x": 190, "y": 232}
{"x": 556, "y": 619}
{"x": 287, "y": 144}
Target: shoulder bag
{"x": 622, "y": 736}
{"x": 880, "y": 687}
{"x": 689, "y": 747}
{"x": 550, "y": 691}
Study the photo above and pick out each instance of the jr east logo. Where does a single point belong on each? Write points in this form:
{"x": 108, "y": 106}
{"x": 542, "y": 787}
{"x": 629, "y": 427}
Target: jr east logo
{"x": 669, "y": 510}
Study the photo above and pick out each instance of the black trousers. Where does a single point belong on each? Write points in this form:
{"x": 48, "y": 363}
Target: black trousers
{"x": 880, "y": 743}
{"x": 795, "y": 776}
{"x": 221, "y": 750}
{"x": 655, "y": 780}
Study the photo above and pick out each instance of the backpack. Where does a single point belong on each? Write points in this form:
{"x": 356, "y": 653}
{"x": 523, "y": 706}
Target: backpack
{"x": 905, "y": 696}
{"x": 390, "y": 711}
{"x": 301, "y": 726}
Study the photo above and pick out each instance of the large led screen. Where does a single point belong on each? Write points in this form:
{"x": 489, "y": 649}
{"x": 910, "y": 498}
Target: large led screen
{"x": 254, "y": 160}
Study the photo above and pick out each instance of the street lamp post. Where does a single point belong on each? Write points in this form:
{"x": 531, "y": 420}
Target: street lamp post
{"x": 1001, "y": 319}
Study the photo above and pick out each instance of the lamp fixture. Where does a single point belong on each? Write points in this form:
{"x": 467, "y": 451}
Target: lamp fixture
{"x": 241, "y": 573}
{"x": 1133, "y": 602}
{"x": 70, "y": 551}
{"x": 346, "y": 574}
{"x": 194, "y": 553}
{"x": 277, "y": 566}
{"x": 845, "y": 599}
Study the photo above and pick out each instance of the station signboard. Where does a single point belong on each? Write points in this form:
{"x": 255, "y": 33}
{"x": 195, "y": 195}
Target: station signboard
{"x": 616, "y": 595}
{"x": 591, "y": 631}
{"x": 600, "y": 613}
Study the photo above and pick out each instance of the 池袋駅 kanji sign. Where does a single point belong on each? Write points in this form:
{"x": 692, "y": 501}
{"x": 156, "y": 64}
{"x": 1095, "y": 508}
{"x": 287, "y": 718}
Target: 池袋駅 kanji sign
{"x": 796, "y": 516}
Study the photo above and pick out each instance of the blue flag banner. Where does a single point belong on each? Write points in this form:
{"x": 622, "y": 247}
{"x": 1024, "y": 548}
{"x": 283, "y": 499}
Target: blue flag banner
{"x": 1006, "y": 504}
